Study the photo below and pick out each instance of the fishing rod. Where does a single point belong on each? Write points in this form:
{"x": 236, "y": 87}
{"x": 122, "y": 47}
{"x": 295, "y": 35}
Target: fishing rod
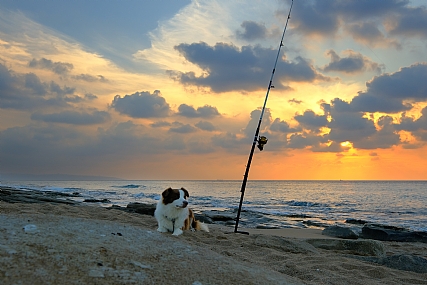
{"x": 260, "y": 139}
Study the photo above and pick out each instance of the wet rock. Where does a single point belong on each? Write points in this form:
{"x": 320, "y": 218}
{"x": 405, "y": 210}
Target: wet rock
{"x": 141, "y": 208}
{"x": 358, "y": 247}
{"x": 356, "y": 222}
{"x": 97, "y": 201}
{"x": 11, "y": 195}
{"x": 390, "y": 233}
{"x": 220, "y": 216}
{"x": 340, "y": 232}
{"x": 203, "y": 218}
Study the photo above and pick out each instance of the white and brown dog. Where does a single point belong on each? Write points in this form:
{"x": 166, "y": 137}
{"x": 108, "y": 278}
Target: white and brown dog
{"x": 173, "y": 215}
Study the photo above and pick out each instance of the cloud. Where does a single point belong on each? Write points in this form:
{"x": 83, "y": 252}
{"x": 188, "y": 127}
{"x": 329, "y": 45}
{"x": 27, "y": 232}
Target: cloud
{"x": 252, "y": 31}
{"x": 369, "y": 33}
{"x": 385, "y": 137}
{"x": 28, "y": 92}
{"x": 201, "y": 112}
{"x": 90, "y": 78}
{"x": 295, "y": 101}
{"x": 389, "y": 92}
{"x": 142, "y": 105}
{"x": 73, "y": 117}
{"x": 353, "y": 63}
{"x": 369, "y": 22}
{"x": 409, "y": 22}
{"x": 311, "y": 121}
{"x": 411, "y": 124}
{"x": 205, "y": 126}
{"x": 282, "y": 127}
{"x": 178, "y": 127}
{"x": 228, "y": 68}
{"x": 34, "y": 83}
{"x": 60, "y": 68}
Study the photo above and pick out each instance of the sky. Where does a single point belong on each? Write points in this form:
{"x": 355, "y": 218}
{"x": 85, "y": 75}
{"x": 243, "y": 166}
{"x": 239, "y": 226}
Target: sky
{"x": 173, "y": 89}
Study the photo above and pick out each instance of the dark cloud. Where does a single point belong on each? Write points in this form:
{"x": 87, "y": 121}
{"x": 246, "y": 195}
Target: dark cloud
{"x": 385, "y": 137}
{"x": 363, "y": 19}
{"x": 410, "y": 124}
{"x": 61, "y": 91}
{"x": 182, "y": 128}
{"x": 250, "y": 128}
{"x": 313, "y": 17}
{"x": 142, "y": 105}
{"x": 205, "y": 126}
{"x": 353, "y": 63}
{"x": 160, "y": 124}
{"x": 73, "y": 117}
{"x": 370, "y": 33}
{"x": 282, "y": 127}
{"x": 304, "y": 140}
{"x": 350, "y": 127}
{"x": 90, "y": 96}
{"x": 33, "y": 82}
{"x": 295, "y": 101}
{"x": 366, "y": 102}
{"x": 311, "y": 121}
{"x": 60, "y": 68}
{"x": 410, "y": 22}
{"x": 228, "y": 68}
{"x": 28, "y": 92}
{"x": 389, "y": 92}
{"x": 90, "y": 78}
{"x": 231, "y": 142}
{"x": 252, "y": 31}
{"x": 201, "y": 112}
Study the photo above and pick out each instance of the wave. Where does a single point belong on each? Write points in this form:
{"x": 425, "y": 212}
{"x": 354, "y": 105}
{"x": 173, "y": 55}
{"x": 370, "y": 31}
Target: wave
{"x": 129, "y": 186}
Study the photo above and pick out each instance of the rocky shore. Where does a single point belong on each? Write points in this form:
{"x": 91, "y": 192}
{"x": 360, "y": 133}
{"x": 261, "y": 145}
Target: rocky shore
{"x": 49, "y": 238}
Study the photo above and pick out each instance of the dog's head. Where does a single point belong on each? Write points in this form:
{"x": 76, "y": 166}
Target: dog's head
{"x": 176, "y": 197}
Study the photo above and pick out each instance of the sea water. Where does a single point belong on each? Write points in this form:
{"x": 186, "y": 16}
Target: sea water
{"x": 270, "y": 203}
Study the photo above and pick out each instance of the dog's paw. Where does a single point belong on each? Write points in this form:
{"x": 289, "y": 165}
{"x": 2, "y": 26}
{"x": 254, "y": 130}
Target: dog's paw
{"x": 162, "y": 230}
{"x": 177, "y": 232}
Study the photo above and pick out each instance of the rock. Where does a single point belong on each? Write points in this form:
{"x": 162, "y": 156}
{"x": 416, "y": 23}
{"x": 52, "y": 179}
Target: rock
{"x": 405, "y": 262}
{"x": 140, "y": 208}
{"x": 356, "y": 222}
{"x": 284, "y": 244}
{"x": 203, "y": 218}
{"x": 11, "y": 195}
{"x": 97, "y": 201}
{"x": 218, "y": 216}
{"x": 340, "y": 232}
{"x": 358, "y": 247}
{"x": 390, "y": 233}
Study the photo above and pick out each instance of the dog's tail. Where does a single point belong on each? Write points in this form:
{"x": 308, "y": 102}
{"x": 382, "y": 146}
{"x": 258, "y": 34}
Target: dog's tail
{"x": 201, "y": 226}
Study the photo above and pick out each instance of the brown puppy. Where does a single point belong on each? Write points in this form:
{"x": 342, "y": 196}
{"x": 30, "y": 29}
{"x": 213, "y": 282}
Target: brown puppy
{"x": 173, "y": 215}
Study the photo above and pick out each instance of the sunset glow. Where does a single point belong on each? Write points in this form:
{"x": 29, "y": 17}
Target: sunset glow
{"x": 173, "y": 89}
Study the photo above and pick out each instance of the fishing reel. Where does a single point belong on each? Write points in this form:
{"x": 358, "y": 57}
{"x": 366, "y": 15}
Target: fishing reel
{"x": 261, "y": 142}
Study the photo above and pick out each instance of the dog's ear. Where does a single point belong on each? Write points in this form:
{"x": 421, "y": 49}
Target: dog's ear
{"x": 185, "y": 192}
{"x": 166, "y": 192}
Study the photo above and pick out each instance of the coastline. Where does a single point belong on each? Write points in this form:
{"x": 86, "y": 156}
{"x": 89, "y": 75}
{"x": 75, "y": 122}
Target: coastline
{"x": 64, "y": 243}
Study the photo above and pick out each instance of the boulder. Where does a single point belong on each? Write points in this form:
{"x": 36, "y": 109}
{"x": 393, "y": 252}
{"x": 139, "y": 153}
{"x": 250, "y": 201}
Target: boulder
{"x": 97, "y": 201}
{"x": 405, "y": 262}
{"x": 357, "y": 247}
{"x": 340, "y": 232}
{"x": 141, "y": 208}
{"x": 389, "y": 233}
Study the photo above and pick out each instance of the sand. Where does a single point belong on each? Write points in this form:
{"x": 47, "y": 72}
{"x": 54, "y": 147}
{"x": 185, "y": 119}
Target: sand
{"x": 46, "y": 243}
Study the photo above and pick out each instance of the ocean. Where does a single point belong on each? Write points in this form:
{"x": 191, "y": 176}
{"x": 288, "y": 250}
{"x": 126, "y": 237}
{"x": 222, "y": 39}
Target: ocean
{"x": 270, "y": 204}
